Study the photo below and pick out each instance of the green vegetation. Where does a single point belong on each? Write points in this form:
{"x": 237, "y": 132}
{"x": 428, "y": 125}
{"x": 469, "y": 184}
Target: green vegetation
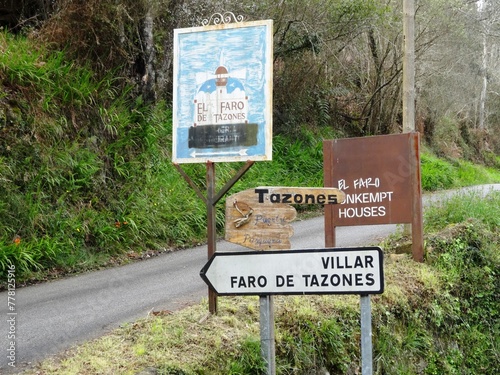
{"x": 86, "y": 173}
{"x": 83, "y": 169}
{"x": 440, "y": 317}
{"x": 439, "y": 174}
{"x": 87, "y": 182}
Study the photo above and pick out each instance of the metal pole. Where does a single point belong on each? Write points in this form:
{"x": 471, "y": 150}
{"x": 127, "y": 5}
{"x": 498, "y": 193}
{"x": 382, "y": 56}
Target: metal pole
{"x": 366, "y": 336}
{"x": 267, "y": 337}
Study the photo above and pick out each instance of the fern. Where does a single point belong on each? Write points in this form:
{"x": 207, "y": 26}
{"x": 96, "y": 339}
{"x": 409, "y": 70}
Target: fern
{"x": 323, "y": 106}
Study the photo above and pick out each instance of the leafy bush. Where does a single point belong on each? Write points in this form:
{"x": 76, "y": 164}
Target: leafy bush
{"x": 467, "y": 257}
{"x": 439, "y": 174}
{"x": 436, "y": 173}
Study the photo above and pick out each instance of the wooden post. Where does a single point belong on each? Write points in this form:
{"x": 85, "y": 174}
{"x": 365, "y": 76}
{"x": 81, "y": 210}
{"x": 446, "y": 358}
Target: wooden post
{"x": 211, "y": 228}
{"x": 409, "y": 66}
{"x": 417, "y": 226}
{"x": 210, "y": 201}
{"x": 327, "y": 182}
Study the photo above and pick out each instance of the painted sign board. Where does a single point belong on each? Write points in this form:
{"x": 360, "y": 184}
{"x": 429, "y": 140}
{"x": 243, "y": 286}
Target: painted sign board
{"x": 311, "y": 271}
{"x": 260, "y": 218}
{"x": 222, "y": 96}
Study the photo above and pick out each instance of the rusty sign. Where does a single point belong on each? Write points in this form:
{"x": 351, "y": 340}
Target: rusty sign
{"x": 260, "y": 218}
{"x": 374, "y": 173}
{"x": 380, "y": 177}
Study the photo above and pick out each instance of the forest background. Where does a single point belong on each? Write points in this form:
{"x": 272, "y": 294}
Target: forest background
{"x": 86, "y": 179}
{"x": 85, "y": 121}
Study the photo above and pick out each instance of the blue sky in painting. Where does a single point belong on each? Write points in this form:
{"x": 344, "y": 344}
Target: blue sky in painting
{"x": 241, "y": 49}
{"x": 232, "y": 84}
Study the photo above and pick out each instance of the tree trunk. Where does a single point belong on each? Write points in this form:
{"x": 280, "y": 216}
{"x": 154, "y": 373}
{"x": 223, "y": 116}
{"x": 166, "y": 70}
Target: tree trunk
{"x": 484, "y": 88}
{"x": 165, "y": 73}
{"x": 148, "y": 49}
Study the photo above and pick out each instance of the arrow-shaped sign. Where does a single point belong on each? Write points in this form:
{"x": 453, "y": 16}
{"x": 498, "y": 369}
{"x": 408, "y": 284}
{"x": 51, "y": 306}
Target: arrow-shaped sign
{"x": 314, "y": 271}
{"x": 260, "y": 218}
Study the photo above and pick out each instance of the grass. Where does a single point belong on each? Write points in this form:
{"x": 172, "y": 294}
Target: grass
{"x": 87, "y": 182}
{"x": 86, "y": 172}
{"x": 460, "y": 208}
{"x": 437, "y": 317}
{"x": 439, "y": 174}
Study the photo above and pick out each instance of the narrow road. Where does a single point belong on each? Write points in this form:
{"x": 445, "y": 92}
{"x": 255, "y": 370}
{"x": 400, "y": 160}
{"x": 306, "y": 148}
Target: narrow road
{"x": 54, "y": 316}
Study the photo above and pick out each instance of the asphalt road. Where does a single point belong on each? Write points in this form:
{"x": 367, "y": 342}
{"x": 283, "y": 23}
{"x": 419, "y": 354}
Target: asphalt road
{"x": 57, "y": 315}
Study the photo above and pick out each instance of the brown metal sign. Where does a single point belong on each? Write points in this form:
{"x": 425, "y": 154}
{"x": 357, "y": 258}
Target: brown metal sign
{"x": 260, "y": 218}
{"x": 380, "y": 177}
{"x": 374, "y": 173}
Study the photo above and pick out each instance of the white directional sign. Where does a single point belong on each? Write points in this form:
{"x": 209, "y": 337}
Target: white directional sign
{"x": 314, "y": 271}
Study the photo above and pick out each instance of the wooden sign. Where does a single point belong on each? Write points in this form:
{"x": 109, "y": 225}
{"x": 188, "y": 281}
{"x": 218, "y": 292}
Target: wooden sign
{"x": 260, "y": 218}
{"x": 376, "y": 175}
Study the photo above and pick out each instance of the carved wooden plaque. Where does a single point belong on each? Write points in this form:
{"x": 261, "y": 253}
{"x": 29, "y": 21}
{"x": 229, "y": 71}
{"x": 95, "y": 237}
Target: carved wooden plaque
{"x": 260, "y": 218}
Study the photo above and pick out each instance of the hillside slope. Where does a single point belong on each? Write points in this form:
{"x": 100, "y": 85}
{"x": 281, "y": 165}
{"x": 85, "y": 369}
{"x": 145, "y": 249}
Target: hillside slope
{"x": 438, "y": 317}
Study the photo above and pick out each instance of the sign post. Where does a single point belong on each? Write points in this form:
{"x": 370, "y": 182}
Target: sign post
{"x": 366, "y": 336}
{"x": 267, "y": 336}
{"x": 222, "y": 103}
{"x": 380, "y": 177}
{"x": 299, "y": 272}
{"x": 260, "y": 219}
